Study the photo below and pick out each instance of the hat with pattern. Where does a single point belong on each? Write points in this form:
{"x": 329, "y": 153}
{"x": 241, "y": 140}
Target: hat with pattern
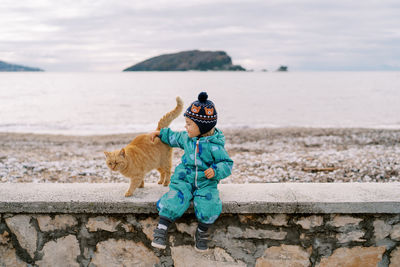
{"x": 203, "y": 113}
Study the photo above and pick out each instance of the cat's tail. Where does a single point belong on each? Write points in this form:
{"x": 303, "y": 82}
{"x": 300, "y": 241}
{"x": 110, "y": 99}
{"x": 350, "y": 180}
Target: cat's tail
{"x": 170, "y": 116}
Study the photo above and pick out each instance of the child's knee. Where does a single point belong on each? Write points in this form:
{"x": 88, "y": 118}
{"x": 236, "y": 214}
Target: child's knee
{"x": 207, "y": 212}
{"x": 207, "y": 218}
{"x": 173, "y": 204}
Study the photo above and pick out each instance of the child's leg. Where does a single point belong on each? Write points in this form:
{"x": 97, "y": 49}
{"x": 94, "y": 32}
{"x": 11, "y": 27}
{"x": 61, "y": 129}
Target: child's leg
{"x": 208, "y": 207}
{"x": 164, "y": 223}
{"x": 161, "y": 233}
{"x": 171, "y": 206}
{"x": 207, "y": 204}
{"x": 176, "y": 201}
{"x": 201, "y": 237}
{"x": 203, "y": 227}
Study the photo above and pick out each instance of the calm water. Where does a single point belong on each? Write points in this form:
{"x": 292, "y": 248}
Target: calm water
{"x": 104, "y": 103}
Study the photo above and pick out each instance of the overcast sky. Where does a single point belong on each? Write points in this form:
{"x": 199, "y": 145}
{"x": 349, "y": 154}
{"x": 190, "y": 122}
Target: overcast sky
{"x": 99, "y": 35}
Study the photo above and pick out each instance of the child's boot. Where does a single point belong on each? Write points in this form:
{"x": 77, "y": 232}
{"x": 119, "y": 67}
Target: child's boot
{"x": 201, "y": 238}
{"x": 160, "y": 238}
{"x": 160, "y": 233}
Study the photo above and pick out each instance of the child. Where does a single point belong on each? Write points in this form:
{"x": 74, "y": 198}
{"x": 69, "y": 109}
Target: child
{"x": 204, "y": 164}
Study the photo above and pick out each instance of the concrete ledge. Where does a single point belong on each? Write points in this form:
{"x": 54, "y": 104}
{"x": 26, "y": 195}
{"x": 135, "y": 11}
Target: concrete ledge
{"x": 237, "y": 198}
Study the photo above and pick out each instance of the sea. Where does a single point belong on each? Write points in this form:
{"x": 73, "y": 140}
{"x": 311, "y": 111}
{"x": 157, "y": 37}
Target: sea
{"x": 128, "y": 102}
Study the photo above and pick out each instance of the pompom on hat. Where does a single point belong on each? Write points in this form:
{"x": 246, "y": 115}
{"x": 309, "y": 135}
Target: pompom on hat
{"x": 203, "y": 113}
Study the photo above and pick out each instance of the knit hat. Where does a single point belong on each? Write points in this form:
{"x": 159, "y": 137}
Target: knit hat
{"x": 203, "y": 113}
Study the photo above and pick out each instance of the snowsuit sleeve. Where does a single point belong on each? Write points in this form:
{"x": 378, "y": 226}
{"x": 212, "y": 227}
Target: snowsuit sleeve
{"x": 171, "y": 138}
{"x": 222, "y": 163}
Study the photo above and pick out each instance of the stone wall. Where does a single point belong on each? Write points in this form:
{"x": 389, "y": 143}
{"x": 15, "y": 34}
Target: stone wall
{"x": 237, "y": 240}
{"x": 75, "y": 228}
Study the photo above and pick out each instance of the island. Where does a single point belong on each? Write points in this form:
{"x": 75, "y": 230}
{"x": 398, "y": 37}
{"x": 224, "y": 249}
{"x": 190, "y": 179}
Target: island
{"x": 282, "y": 68}
{"x": 188, "y": 60}
{"x": 4, "y": 66}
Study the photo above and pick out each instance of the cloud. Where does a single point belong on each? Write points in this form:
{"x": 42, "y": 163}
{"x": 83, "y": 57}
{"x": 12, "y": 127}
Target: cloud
{"x": 111, "y": 35}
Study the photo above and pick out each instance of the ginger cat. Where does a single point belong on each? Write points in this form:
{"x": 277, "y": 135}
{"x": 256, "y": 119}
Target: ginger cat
{"x": 142, "y": 155}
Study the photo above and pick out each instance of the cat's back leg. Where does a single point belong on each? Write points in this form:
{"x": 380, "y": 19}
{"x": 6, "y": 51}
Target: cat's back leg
{"x": 162, "y": 175}
{"x": 167, "y": 176}
{"x": 166, "y": 166}
{"x": 165, "y": 172}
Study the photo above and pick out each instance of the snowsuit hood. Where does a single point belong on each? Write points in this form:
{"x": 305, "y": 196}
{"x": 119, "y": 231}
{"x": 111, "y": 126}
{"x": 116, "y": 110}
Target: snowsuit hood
{"x": 217, "y": 138}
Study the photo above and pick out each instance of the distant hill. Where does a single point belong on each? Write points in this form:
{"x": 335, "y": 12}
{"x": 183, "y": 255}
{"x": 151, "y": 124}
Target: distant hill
{"x": 188, "y": 60}
{"x": 282, "y": 68}
{"x": 12, "y": 67}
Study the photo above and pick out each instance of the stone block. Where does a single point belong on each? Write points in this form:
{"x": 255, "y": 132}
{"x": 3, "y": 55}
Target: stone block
{"x": 148, "y": 226}
{"x": 381, "y": 229}
{"x": 62, "y": 252}
{"x": 8, "y": 258}
{"x": 238, "y": 248}
{"x": 350, "y": 236}
{"x": 4, "y": 238}
{"x": 25, "y": 232}
{"x": 324, "y": 248}
{"x": 352, "y": 257}
{"x": 387, "y": 243}
{"x": 237, "y": 232}
{"x": 276, "y": 220}
{"x": 128, "y": 228}
{"x": 394, "y": 219}
{"x": 395, "y": 233}
{"x": 222, "y": 256}
{"x": 60, "y": 222}
{"x": 186, "y": 256}
{"x": 285, "y": 256}
{"x": 185, "y": 228}
{"x": 123, "y": 253}
{"x": 395, "y": 258}
{"x": 246, "y": 218}
{"x": 340, "y": 221}
{"x": 310, "y": 222}
{"x": 102, "y": 223}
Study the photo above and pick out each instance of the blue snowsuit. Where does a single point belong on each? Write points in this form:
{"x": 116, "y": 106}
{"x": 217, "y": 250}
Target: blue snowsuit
{"x": 189, "y": 181}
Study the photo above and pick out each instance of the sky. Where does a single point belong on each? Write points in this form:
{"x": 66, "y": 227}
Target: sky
{"x": 108, "y": 36}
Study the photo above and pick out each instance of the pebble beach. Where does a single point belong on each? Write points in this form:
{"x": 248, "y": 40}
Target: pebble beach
{"x": 268, "y": 155}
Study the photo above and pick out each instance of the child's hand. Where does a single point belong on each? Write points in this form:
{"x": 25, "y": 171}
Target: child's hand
{"x": 153, "y": 135}
{"x": 209, "y": 173}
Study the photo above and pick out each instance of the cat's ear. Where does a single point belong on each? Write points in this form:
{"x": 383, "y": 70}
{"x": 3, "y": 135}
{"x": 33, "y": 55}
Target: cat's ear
{"x": 122, "y": 153}
{"x": 106, "y": 153}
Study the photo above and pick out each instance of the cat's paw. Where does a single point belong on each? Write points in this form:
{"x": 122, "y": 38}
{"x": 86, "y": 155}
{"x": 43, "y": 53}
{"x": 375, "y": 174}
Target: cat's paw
{"x": 160, "y": 182}
{"x": 128, "y": 194}
{"x": 166, "y": 183}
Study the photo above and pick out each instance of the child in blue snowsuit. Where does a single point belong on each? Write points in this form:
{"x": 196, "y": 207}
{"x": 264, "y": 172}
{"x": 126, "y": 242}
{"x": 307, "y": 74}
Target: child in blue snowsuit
{"x": 203, "y": 165}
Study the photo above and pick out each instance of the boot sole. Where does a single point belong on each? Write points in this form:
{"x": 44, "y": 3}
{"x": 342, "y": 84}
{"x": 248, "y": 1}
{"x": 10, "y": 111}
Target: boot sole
{"x": 199, "y": 250}
{"x": 158, "y": 245}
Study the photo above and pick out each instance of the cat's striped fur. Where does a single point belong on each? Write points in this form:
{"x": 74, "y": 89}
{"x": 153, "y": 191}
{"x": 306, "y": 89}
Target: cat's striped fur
{"x": 142, "y": 155}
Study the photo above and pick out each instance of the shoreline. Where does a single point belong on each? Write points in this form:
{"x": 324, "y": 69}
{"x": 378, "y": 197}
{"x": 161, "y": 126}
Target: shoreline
{"x": 226, "y": 128}
{"x": 293, "y": 154}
